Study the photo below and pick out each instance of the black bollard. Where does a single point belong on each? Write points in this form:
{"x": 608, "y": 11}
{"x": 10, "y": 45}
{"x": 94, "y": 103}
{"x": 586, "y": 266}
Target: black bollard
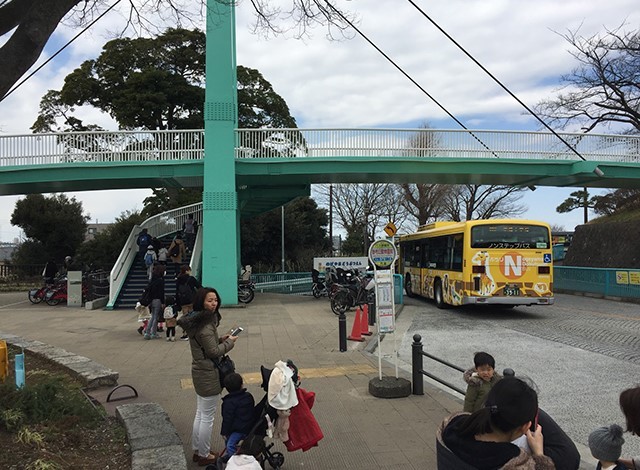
{"x": 372, "y": 311}
{"x": 416, "y": 365}
{"x": 342, "y": 331}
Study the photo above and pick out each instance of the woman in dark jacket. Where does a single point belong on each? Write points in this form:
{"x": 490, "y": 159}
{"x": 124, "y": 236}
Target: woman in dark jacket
{"x": 201, "y": 326}
{"x": 186, "y": 287}
{"x": 482, "y": 440}
{"x": 156, "y": 287}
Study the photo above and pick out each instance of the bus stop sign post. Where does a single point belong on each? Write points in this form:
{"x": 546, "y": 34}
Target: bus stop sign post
{"x": 382, "y": 254}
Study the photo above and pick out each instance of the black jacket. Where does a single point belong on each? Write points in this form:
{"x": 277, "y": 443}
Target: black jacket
{"x": 156, "y": 288}
{"x": 190, "y": 285}
{"x": 237, "y": 413}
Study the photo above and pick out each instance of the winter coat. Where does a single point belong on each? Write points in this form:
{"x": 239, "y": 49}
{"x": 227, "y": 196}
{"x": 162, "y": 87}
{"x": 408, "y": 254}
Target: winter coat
{"x": 181, "y": 253}
{"x": 243, "y": 462}
{"x": 202, "y": 329}
{"x": 192, "y": 285}
{"x": 237, "y": 412}
{"x": 143, "y": 241}
{"x": 477, "y": 390}
{"x": 456, "y": 452}
{"x": 304, "y": 430}
{"x": 156, "y": 287}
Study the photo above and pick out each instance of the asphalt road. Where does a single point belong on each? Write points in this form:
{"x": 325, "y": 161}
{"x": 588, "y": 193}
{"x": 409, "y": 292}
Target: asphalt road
{"x": 580, "y": 353}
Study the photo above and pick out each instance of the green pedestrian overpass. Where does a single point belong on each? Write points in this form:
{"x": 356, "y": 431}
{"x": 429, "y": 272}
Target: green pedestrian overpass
{"x": 274, "y": 165}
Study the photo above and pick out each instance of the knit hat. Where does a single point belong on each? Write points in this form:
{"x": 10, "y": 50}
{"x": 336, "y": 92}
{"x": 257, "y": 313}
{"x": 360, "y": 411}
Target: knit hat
{"x": 606, "y": 443}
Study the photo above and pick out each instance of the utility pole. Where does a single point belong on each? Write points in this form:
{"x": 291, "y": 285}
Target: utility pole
{"x": 331, "y": 217}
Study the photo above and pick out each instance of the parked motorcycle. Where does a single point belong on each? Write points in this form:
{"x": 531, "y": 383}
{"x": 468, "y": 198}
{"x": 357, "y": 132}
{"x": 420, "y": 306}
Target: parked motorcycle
{"x": 246, "y": 290}
{"x": 319, "y": 286}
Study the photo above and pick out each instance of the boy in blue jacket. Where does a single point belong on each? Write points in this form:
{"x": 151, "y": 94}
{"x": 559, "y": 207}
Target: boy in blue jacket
{"x": 237, "y": 414}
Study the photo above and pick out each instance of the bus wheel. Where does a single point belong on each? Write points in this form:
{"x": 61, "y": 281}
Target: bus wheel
{"x": 407, "y": 286}
{"x": 437, "y": 294}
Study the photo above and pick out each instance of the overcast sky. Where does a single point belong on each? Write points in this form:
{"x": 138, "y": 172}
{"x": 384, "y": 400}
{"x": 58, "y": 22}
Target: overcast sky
{"x": 349, "y": 84}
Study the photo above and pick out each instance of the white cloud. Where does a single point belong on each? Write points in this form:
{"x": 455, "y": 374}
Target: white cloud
{"x": 349, "y": 84}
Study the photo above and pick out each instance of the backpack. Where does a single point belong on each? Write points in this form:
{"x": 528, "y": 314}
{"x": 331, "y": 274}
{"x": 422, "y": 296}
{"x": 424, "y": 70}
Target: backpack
{"x": 148, "y": 259}
{"x": 175, "y": 250}
{"x": 184, "y": 294}
{"x": 145, "y": 299}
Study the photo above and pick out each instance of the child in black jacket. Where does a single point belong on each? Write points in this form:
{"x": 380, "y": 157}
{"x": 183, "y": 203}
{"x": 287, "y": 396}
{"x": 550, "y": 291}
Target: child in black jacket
{"x": 237, "y": 414}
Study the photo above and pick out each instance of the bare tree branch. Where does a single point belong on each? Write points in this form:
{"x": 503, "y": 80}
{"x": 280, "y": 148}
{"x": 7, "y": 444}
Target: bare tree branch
{"x": 604, "y": 88}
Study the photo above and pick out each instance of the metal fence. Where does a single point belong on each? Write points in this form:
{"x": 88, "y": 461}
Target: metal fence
{"x": 148, "y": 145}
{"x": 608, "y": 282}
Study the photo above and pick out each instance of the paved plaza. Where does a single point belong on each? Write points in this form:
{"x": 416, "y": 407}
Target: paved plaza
{"x": 360, "y": 431}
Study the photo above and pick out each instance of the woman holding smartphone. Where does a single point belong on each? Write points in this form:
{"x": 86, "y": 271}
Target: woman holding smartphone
{"x": 483, "y": 440}
{"x": 201, "y": 327}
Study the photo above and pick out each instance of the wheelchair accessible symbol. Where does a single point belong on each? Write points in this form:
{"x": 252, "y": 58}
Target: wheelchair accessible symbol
{"x": 546, "y": 258}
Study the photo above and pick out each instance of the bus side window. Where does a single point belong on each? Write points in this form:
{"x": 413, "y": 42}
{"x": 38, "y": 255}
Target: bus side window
{"x": 457, "y": 253}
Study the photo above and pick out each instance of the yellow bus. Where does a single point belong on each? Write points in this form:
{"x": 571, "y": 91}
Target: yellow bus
{"x": 506, "y": 262}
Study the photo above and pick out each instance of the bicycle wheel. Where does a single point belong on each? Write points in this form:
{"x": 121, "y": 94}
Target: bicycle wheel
{"x": 35, "y": 296}
{"x": 54, "y": 300}
{"x": 315, "y": 290}
{"x": 341, "y": 302}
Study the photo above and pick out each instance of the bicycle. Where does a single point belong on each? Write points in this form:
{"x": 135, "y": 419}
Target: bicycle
{"x": 38, "y": 295}
{"x": 359, "y": 293}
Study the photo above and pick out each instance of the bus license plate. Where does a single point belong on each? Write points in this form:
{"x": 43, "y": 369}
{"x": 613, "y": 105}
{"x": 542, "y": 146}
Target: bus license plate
{"x": 511, "y": 290}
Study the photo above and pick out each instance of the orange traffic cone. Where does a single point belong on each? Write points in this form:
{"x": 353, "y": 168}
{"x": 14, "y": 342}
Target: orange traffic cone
{"x": 356, "y": 331}
{"x": 364, "y": 321}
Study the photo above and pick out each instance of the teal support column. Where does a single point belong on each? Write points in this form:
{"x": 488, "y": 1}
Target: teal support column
{"x": 220, "y": 200}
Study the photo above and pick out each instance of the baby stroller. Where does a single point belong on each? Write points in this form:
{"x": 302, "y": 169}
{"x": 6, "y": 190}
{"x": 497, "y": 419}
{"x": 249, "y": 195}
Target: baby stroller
{"x": 267, "y": 415}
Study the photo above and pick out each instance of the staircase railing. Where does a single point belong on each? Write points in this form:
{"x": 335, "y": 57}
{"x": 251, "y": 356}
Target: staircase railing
{"x": 157, "y": 226}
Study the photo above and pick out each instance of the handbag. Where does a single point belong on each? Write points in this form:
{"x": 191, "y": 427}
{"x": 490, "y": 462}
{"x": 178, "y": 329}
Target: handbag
{"x": 225, "y": 366}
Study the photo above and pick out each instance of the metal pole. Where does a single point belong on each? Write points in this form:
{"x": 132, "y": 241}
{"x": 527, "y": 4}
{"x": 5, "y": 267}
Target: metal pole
{"x": 416, "y": 365}
{"x": 342, "y": 331}
{"x": 282, "y": 230}
{"x": 331, "y": 217}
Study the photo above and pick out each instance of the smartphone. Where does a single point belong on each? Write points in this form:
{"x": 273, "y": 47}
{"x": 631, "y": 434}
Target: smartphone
{"x": 534, "y": 424}
{"x": 237, "y": 331}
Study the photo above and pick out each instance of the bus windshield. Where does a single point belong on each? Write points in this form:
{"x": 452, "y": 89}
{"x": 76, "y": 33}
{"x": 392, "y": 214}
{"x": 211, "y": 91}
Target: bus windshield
{"x": 507, "y": 236}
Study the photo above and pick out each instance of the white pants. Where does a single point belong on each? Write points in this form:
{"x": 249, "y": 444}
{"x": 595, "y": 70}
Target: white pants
{"x": 203, "y": 424}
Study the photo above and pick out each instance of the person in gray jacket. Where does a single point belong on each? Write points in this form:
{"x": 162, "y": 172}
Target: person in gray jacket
{"x": 630, "y": 406}
{"x": 201, "y": 326}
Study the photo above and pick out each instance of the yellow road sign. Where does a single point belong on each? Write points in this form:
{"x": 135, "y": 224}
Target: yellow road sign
{"x": 390, "y": 229}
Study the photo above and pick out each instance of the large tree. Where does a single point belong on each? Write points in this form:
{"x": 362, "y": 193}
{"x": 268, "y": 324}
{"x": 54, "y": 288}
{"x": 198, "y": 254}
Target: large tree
{"x": 30, "y": 23}
{"x": 604, "y": 87}
{"x": 54, "y": 226}
{"x": 578, "y": 200}
{"x": 156, "y": 84}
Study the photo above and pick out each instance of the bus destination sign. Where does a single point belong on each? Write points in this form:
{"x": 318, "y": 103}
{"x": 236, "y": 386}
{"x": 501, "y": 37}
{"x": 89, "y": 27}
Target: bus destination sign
{"x": 382, "y": 253}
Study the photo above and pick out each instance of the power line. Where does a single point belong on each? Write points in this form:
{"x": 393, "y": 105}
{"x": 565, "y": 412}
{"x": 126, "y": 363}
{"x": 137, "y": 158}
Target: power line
{"x": 59, "y": 51}
{"x": 408, "y": 76}
{"x": 495, "y": 79}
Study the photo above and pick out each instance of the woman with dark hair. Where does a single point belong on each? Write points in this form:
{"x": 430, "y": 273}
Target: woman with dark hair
{"x": 156, "y": 290}
{"x": 201, "y": 327}
{"x": 483, "y": 440}
{"x": 630, "y": 406}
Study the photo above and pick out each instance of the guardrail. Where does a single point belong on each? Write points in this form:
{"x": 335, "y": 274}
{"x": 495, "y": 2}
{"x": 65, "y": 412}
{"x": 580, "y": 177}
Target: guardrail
{"x": 417, "y": 368}
{"x": 136, "y": 146}
{"x": 607, "y": 282}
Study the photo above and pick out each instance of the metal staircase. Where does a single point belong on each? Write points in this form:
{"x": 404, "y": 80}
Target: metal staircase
{"x": 137, "y": 279}
{"x": 128, "y": 277}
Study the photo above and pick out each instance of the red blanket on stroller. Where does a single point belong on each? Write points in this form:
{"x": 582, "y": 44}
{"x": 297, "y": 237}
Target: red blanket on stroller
{"x": 304, "y": 431}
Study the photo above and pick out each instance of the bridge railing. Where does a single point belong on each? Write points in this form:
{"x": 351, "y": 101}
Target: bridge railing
{"x": 135, "y": 146}
{"x": 157, "y": 226}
